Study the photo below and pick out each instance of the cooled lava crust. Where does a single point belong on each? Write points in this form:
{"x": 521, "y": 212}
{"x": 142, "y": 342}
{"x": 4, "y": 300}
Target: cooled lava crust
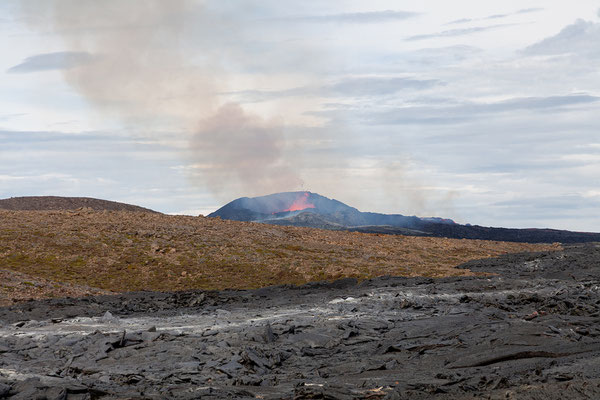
{"x": 529, "y": 332}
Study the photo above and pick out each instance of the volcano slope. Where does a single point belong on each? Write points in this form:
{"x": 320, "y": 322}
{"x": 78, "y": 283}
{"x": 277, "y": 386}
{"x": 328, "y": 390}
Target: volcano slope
{"x": 529, "y": 331}
{"x": 313, "y": 210}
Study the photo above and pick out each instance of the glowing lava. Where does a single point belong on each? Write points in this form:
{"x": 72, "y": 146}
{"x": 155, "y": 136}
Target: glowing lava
{"x": 301, "y": 203}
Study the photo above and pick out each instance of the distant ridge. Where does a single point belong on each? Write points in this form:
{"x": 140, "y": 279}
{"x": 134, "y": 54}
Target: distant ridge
{"x": 313, "y": 210}
{"x": 42, "y": 203}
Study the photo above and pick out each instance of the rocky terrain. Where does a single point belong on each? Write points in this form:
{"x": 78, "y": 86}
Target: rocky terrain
{"x": 39, "y": 203}
{"x": 529, "y": 331}
{"x": 143, "y": 305}
{"x": 126, "y": 251}
{"x": 16, "y": 287}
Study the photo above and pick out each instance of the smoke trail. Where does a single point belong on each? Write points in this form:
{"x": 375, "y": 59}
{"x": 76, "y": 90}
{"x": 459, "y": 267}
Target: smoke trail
{"x": 144, "y": 73}
{"x": 167, "y": 66}
{"x": 243, "y": 148}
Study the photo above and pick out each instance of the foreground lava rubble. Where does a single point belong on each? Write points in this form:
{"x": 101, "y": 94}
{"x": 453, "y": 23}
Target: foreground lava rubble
{"x": 531, "y": 331}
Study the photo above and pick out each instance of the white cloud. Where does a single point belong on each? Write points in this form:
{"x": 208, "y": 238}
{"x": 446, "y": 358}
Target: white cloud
{"x": 11, "y": 178}
{"x": 496, "y": 16}
{"x": 51, "y": 61}
{"x": 357, "y": 17}
{"x": 459, "y": 32}
{"x": 581, "y": 38}
{"x": 583, "y": 158}
{"x": 480, "y": 125}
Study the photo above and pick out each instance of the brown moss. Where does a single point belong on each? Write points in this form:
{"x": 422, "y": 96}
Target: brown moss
{"x": 120, "y": 251}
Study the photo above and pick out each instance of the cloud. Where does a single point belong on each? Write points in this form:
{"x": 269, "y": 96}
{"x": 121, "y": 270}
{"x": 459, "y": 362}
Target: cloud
{"x": 459, "y": 21}
{"x": 358, "y": 18}
{"x": 176, "y": 64}
{"x": 523, "y": 11}
{"x": 495, "y": 16}
{"x": 349, "y": 87}
{"x": 535, "y": 103}
{"x": 461, "y": 113}
{"x": 376, "y": 86}
{"x": 162, "y": 69}
{"x": 6, "y": 117}
{"x": 431, "y": 58}
{"x": 44, "y": 137}
{"x": 243, "y": 148}
{"x": 581, "y": 37}
{"x": 551, "y": 203}
{"x": 529, "y": 10}
{"x": 11, "y": 178}
{"x": 61, "y": 60}
{"x": 94, "y": 164}
{"x": 458, "y": 32}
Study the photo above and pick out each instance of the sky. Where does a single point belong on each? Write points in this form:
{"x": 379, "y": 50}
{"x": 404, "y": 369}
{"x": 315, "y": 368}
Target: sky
{"x": 483, "y": 112}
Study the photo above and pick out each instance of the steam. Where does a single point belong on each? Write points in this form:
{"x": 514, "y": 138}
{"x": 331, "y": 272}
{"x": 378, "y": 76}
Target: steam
{"x": 245, "y": 149}
{"x": 142, "y": 75}
{"x": 412, "y": 195}
{"x": 143, "y": 68}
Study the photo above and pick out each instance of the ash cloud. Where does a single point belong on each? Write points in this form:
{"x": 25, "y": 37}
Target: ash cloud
{"x": 240, "y": 147}
{"x": 145, "y": 74}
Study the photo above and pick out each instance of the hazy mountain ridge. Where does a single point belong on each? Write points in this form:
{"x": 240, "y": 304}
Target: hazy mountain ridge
{"x": 43, "y": 203}
{"x": 322, "y": 212}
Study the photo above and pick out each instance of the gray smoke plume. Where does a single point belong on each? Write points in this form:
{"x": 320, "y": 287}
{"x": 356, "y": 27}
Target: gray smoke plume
{"x": 163, "y": 66}
{"x": 143, "y": 72}
{"x": 243, "y": 149}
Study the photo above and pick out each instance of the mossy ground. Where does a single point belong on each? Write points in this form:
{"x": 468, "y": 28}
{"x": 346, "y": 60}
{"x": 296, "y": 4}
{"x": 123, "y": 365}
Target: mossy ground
{"x": 128, "y": 251}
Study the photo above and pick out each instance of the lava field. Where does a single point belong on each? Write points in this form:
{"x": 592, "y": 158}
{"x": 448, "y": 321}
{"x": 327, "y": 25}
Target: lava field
{"x": 528, "y": 330}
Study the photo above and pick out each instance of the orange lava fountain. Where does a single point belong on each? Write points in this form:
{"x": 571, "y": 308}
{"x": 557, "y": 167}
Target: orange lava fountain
{"x": 301, "y": 203}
